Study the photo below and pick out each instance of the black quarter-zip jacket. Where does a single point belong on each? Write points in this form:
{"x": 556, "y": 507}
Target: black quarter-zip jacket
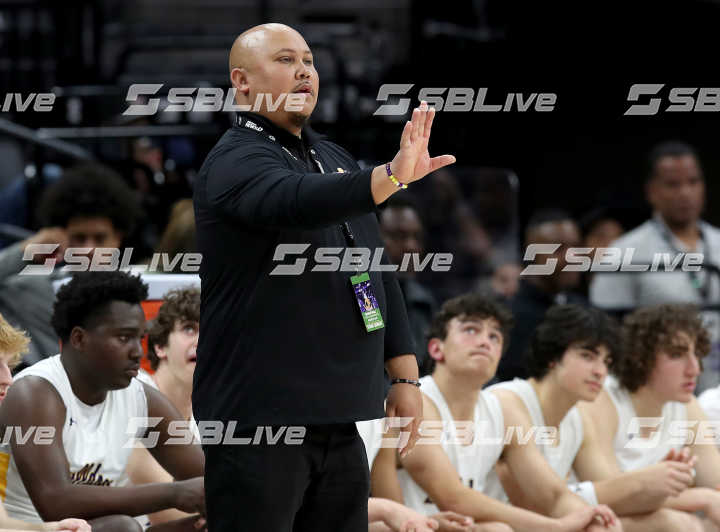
{"x": 287, "y": 349}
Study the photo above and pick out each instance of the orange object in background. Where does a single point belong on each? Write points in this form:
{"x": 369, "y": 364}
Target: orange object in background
{"x": 151, "y": 308}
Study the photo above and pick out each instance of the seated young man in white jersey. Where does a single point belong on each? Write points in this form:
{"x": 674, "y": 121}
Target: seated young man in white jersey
{"x": 648, "y": 410}
{"x": 88, "y": 396}
{"x": 464, "y": 432}
{"x": 13, "y": 344}
{"x": 172, "y": 345}
{"x": 569, "y": 356}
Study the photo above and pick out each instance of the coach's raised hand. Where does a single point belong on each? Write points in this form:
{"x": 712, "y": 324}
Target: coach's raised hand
{"x": 412, "y": 162}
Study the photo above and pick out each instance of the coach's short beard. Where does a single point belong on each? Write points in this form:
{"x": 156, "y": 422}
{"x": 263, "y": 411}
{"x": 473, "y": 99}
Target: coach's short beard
{"x": 298, "y": 119}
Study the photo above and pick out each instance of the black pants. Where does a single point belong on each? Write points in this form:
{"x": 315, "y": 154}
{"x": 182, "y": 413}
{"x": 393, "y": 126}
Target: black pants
{"x": 320, "y": 485}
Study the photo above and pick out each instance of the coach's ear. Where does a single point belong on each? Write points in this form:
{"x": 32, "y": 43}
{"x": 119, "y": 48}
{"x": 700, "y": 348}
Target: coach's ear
{"x": 238, "y": 77}
{"x": 435, "y": 349}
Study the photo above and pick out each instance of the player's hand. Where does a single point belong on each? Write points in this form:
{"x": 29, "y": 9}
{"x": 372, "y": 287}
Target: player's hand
{"x": 452, "y": 522}
{"x": 682, "y": 455}
{"x": 668, "y": 478}
{"x": 69, "y": 525}
{"x": 591, "y": 515}
{"x": 405, "y": 400}
{"x": 189, "y": 495}
{"x": 413, "y": 162}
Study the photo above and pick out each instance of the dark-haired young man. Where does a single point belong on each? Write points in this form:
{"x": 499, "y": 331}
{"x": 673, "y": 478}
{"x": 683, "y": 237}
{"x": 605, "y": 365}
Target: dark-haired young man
{"x": 89, "y": 207}
{"x": 675, "y": 189}
{"x": 466, "y": 342}
{"x": 570, "y": 354}
{"x": 648, "y": 412}
{"x": 88, "y": 395}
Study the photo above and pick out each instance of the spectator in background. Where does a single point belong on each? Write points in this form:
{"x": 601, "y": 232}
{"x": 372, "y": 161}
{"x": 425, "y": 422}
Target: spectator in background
{"x": 402, "y": 231}
{"x": 89, "y": 207}
{"x": 503, "y": 283}
{"x": 537, "y": 293}
{"x": 158, "y": 181}
{"x": 452, "y": 226}
{"x": 179, "y": 235}
{"x": 675, "y": 189}
{"x": 599, "y": 228}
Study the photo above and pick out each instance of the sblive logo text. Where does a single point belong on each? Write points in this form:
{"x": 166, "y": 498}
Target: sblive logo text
{"x": 678, "y": 99}
{"x": 105, "y": 260}
{"x": 181, "y": 432}
{"x": 334, "y": 259}
{"x": 607, "y": 260}
{"x": 207, "y": 99}
{"x": 463, "y": 99}
{"x": 42, "y": 102}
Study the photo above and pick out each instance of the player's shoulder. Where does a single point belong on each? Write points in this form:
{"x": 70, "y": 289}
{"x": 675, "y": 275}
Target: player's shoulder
{"x": 431, "y": 412}
{"x": 33, "y": 396}
{"x": 599, "y": 414}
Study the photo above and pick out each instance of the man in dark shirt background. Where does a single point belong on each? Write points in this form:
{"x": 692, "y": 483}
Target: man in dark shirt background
{"x": 293, "y": 350}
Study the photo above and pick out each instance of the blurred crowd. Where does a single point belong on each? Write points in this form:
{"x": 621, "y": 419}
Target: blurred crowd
{"x": 471, "y": 213}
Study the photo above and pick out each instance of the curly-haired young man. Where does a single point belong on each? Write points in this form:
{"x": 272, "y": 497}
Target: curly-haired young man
{"x": 648, "y": 412}
{"x": 89, "y": 397}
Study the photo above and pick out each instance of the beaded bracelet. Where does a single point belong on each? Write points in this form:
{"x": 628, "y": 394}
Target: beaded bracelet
{"x": 393, "y": 178}
{"x": 405, "y": 381}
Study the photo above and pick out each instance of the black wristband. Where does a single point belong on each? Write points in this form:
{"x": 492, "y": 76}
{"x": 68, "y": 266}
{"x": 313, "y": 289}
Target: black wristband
{"x": 405, "y": 381}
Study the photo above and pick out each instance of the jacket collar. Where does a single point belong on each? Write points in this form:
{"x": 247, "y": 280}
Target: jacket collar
{"x": 283, "y": 136}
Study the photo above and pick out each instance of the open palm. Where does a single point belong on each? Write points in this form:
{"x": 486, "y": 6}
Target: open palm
{"x": 413, "y": 162}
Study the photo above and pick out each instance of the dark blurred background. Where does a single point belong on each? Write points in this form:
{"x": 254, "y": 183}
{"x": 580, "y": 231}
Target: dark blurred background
{"x": 583, "y": 154}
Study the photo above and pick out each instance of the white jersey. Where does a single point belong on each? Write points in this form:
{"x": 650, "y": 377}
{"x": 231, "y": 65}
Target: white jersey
{"x": 95, "y": 438}
{"x": 145, "y": 377}
{"x": 570, "y": 434}
{"x": 710, "y": 403}
{"x": 632, "y": 451}
{"x": 472, "y": 462}
{"x": 371, "y": 433}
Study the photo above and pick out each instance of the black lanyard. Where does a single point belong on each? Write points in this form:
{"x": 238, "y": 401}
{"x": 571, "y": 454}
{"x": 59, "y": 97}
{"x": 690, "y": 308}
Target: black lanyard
{"x": 703, "y": 288}
{"x": 249, "y": 124}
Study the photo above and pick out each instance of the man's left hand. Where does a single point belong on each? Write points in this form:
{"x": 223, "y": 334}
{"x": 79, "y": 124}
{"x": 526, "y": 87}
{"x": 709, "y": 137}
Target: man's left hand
{"x": 405, "y": 400}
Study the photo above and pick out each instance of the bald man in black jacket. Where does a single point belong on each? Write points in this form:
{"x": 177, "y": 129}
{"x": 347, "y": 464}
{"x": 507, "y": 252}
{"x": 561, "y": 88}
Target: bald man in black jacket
{"x": 295, "y": 350}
